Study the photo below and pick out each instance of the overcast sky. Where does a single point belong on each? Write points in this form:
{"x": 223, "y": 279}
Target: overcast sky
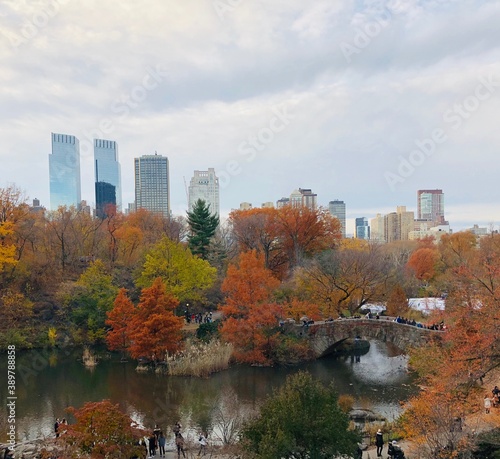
{"x": 365, "y": 101}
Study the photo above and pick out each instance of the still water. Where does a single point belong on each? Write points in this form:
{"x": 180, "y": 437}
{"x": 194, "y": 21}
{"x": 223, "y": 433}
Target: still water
{"x": 50, "y": 381}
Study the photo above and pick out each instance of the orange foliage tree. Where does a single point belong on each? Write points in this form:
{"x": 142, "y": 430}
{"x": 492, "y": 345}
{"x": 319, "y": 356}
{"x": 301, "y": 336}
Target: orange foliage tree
{"x": 397, "y": 303}
{"x": 423, "y": 262}
{"x": 285, "y": 236}
{"x": 102, "y": 431}
{"x": 117, "y": 338}
{"x": 455, "y": 365}
{"x": 155, "y": 330}
{"x": 251, "y": 318}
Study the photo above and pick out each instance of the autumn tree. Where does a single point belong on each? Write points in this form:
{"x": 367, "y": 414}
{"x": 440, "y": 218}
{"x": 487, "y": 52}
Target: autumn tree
{"x": 119, "y": 318}
{"x": 256, "y": 229}
{"x": 303, "y": 420}
{"x": 251, "y": 317}
{"x": 203, "y": 223}
{"x": 304, "y": 232}
{"x": 154, "y": 329}
{"x": 102, "y": 431}
{"x": 7, "y": 248}
{"x": 423, "y": 263}
{"x": 345, "y": 279}
{"x": 185, "y": 276}
{"x": 286, "y": 236}
{"x": 397, "y": 302}
{"x": 470, "y": 348}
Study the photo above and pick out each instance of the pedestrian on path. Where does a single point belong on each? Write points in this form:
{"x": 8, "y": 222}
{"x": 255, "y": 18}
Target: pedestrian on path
{"x": 379, "y": 442}
{"x": 179, "y": 442}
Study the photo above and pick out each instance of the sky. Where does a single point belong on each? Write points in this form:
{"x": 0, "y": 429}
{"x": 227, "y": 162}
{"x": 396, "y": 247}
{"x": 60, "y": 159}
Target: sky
{"x": 365, "y": 101}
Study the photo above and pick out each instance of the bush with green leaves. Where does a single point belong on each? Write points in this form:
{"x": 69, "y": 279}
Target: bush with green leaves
{"x": 301, "y": 420}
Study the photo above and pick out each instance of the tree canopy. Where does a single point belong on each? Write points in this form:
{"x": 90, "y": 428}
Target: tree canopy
{"x": 302, "y": 420}
{"x": 185, "y": 276}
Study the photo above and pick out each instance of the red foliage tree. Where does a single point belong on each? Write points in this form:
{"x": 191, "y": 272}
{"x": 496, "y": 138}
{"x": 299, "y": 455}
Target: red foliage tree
{"x": 251, "y": 317}
{"x": 155, "y": 330}
{"x": 103, "y": 431}
{"x": 117, "y": 338}
{"x": 423, "y": 263}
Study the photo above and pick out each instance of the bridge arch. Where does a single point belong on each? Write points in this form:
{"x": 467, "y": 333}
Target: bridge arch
{"x": 323, "y": 337}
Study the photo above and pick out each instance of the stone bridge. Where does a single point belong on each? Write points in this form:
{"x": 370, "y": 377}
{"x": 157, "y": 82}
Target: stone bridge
{"x": 325, "y": 336}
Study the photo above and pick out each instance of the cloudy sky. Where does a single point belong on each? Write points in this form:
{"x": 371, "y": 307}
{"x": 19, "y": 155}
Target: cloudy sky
{"x": 366, "y": 101}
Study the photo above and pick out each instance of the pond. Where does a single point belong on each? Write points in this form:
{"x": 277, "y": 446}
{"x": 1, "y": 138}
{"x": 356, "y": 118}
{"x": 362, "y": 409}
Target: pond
{"x": 50, "y": 381}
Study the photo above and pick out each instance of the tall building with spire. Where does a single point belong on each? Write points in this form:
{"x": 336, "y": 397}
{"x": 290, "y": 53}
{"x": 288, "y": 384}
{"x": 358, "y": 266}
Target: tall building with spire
{"x": 152, "y": 184}
{"x": 64, "y": 171}
{"x": 204, "y": 185}
{"x": 107, "y": 174}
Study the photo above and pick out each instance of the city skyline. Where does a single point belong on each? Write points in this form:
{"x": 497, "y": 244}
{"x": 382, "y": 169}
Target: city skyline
{"x": 363, "y": 101}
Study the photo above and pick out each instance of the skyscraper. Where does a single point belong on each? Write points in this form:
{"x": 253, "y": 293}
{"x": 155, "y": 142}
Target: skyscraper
{"x": 205, "y": 185}
{"x": 337, "y": 209}
{"x": 152, "y": 184}
{"x": 362, "y": 228}
{"x": 105, "y": 195}
{"x": 64, "y": 171}
{"x": 430, "y": 206}
{"x": 107, "y": 170}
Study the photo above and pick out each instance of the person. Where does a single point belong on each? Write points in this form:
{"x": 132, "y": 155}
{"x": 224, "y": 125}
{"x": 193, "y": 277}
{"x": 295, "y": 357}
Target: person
{"x": 395, "y": 451}
{"x": 161, "y": 443}
{"x": 152, "y": 445}
{"x": 379, "y": 442}
{"x": 202, "y": 440}
{"x": 179, "y": 443}
{"x": 56, "y": 427}
{"x": 359, "y": 452}
{"x": 487, "y": 404}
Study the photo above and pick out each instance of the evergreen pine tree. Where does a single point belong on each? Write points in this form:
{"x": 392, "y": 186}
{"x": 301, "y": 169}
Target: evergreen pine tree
{"x": 202, "y": 225}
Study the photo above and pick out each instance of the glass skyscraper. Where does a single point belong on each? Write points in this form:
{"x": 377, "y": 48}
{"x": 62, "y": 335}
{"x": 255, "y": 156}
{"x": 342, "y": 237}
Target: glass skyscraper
{"x": 337, "y": 209}
{"x": 64, "y": 171}
{"x": 107, "y": 170}
{"x": 152, "y": 184}
{"x": 362, "y": 228}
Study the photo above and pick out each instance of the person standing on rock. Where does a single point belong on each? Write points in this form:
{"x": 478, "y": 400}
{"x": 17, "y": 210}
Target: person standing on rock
{"x": 379, "y": 442}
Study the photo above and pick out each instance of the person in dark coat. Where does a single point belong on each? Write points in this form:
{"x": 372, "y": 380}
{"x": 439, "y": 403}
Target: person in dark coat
{"x": 152, "y": 445}
{"x": 379, "y": 442}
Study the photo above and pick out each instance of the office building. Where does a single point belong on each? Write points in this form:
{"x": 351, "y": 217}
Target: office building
{"x": 362, "y": 228}
{"x": 282, "y": 202}
{"x": 64, "y": 171}
{"x": 105, "y": 196}
{"x": 152, "y": 184}
{"x": 245, "y": 206}
{"x": 399, "y": 224}
{"x": 337, "y": 209}
{"x": 430, "y": 206}
{"x": 107, "y": 170}
{"x": 205, "y": 185}
{"x": 377, "y": 228}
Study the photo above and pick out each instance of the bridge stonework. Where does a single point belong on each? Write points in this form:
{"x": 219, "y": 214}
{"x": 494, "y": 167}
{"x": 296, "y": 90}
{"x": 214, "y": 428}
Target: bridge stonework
{"x": 325, "y": 336}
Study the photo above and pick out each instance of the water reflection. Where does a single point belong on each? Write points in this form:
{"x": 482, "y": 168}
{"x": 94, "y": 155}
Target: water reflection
{"x": 48, "y": 382}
